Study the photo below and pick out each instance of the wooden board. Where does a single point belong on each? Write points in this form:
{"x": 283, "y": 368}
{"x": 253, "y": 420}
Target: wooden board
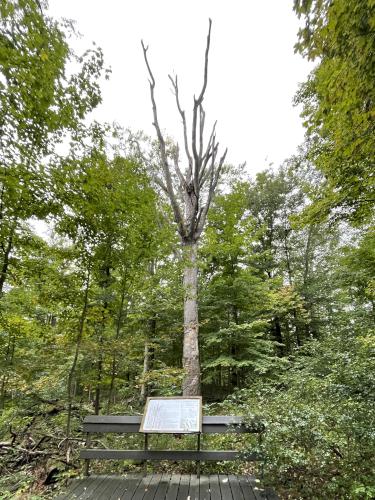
{"x": 167, "y": 487}
{"x": 183, "y": 490}
{"x": 163, "y": 487}
{"x": 215, "y": 424}
{"x": 215, "y": 487}
{"x": 174, "y": 455}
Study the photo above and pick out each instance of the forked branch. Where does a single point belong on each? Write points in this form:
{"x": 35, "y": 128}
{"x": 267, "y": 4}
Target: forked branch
{"x": 198, "y": 182}
{"x": 164, "y": 157}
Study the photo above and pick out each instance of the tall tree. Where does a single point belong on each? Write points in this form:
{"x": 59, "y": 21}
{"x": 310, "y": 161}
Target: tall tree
{"x": 190, "y": 193}
{"x": 339, "y": 103}
{"x": 39, "y": 104}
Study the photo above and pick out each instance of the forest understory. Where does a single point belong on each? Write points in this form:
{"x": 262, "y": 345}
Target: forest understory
{"x": 277, "y": 269}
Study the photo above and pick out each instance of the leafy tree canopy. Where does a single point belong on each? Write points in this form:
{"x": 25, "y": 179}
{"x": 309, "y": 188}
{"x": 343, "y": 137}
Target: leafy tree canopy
{"x": 338, "y": 103}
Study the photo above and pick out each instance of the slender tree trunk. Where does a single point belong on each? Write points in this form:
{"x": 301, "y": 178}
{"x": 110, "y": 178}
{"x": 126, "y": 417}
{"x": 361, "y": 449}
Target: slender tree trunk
{"x": 119, "y": 322}
{"x": 233, "y": 349}
{"x": 278, "y": 335}
{"x": 74, "y": 365}
{"x": 308, "y": 258}
{"x": 148, "y": 358}
{"x": 146, "y": 368}
{"x": 5, "y": 264}
{"x": 98, "y": 378}
{"x": 9, "y": 356}
{"x": 105, "y": 283}
{"x": 191, "y": 365}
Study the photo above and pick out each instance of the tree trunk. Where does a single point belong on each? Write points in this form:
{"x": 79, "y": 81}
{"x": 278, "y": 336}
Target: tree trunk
{"x": 104, "y": 284}
{"x": 5, "y": 264}
{"x": 148, "y": 358}
{"x": 191, "y": 365}
{"x": 278, "y": 335}
{"x": 74, "y": 364}
{"x": 9, "y": 356}
{"x": 99, "y": 369}
{"x": 119, "y": 323}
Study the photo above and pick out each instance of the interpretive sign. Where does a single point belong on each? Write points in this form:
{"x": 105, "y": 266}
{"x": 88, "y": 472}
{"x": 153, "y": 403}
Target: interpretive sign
{"x": 178, "y": 415}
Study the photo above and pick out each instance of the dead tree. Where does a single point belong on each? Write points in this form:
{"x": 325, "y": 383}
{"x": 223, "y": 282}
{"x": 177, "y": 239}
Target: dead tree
{"x": 190, "y": 192}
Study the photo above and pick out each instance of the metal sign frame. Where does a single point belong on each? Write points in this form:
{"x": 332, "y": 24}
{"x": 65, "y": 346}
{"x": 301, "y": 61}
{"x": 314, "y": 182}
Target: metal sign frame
{"x": 171, "y": 431}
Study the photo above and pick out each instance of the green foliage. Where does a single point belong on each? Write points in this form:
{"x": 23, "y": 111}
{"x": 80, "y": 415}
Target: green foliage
{"x": 338, "y": 103}
{"x": 91, "y": 320}
{"x": 320, "y": 416}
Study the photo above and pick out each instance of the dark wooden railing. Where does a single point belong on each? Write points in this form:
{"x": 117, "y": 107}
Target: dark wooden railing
{"x": 100, "y": 424}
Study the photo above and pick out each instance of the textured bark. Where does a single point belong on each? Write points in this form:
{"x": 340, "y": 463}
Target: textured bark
{"x": 5, "y": 264}
{"x": 195, "y": 186}
{"x": 190, "y": 361}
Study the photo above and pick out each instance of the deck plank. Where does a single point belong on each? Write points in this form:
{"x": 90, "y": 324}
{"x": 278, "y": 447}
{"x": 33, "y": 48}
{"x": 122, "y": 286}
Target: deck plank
{"x": 204, "y": 488}
{"x": 127, "y": 487}
{"x": 76, "y": 487}
{"x": 215, "y": 487}
{"x": 235, "y": 487}
{"x": 194, "y": 487}
{"x": 92, "y": 488}
{"x": 246, "y": 488}
{"x": 255, "y": 485}
{"x": 183, "y": 490}
{"x": 173, "y": 487}
{"x": 112, "y": 484}
{"x": 226, "y": 492}
{"x": 152, "y": 487}
{"x": 100, "y": 492}
{"x": 142, "y": 488}
{"x": 167, "y": 487}
{"x": 163, "y": 487}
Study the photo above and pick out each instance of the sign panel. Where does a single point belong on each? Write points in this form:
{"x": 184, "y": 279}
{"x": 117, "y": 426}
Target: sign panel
{"x": 178, "y": 415}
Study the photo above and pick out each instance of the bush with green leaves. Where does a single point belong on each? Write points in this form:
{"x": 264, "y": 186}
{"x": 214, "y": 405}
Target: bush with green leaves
{"x": 320, "y": 420}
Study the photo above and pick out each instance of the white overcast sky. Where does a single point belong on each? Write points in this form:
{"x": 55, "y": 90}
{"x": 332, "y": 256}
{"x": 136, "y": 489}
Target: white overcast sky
{"x": 253, "y": 71}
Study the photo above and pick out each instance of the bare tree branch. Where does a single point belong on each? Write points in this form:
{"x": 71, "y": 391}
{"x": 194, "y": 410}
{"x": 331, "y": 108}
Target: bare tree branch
{"x": 200, "y": 98}
{"x": 182, "y": 113}
{"x": 202, "y": 117}
{"x": 160, "y": 183}
{"x": 167, "y": 174}
{"x": 206, "y": 157}
{"x": 214, "y": 179}
{"x": 176, "y": 160}
{"x": 197, "y": 104}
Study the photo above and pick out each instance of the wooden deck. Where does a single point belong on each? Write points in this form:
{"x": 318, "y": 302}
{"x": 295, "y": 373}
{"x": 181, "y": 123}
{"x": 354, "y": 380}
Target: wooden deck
{"x": 166, "y": 487}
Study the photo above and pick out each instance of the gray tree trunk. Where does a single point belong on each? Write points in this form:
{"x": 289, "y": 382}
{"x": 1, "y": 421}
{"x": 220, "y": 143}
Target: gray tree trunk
{"x": 146, "y": 368}
{"x": 191, "y": 365}
{"x": 196, "y": 187}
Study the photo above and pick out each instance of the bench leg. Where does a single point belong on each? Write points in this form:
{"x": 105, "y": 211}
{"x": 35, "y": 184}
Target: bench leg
{"x": 145, "y": 448}
{"x": 198, "y": 462}
{"x": 86, "y": 469}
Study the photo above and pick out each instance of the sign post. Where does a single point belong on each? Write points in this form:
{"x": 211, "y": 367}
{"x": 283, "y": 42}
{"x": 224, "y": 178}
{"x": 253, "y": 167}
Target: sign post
{"x": 173, "y": 415}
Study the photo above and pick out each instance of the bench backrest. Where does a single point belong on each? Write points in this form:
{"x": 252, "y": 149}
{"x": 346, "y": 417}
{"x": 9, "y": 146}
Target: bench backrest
{"x": 218, "y": 424}
{"x": 130, "y": 424}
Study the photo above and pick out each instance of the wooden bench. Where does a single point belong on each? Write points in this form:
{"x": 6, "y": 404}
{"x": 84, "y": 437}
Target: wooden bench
{"x": 100, "y": 424}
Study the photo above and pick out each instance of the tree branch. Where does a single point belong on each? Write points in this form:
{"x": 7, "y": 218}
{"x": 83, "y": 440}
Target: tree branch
{"x": 197, "y": 104}
{"x": 167, "y": 174}
{"x": 214, "y": 179}
{"x": 183, "y": 117}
